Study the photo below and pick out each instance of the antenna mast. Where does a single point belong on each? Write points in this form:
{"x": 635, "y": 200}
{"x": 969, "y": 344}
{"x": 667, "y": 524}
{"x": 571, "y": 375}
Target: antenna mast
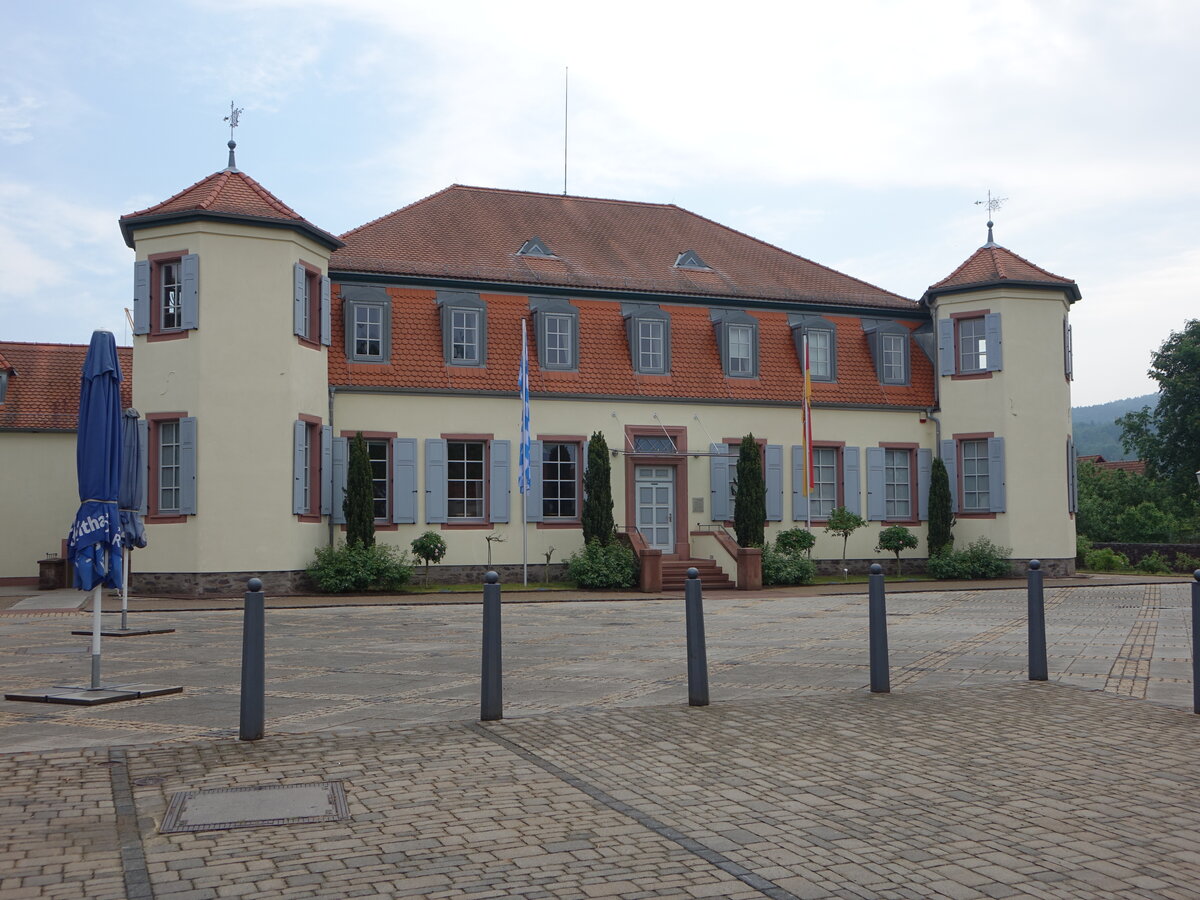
{"x": 566, "y": 99}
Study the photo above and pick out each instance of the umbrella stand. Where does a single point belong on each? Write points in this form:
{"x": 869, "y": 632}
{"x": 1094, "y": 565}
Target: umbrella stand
{"x": 96, "y": 603}
{"x": 125, "y": 590}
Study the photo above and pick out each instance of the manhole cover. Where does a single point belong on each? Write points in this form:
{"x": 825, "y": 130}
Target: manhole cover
{"x": 251, "y": 807}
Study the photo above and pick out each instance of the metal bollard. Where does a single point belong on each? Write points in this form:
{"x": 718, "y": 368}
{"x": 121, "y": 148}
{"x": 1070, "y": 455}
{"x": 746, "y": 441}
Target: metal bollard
{"x": 877, "y": 614}
{"x": 254, "y": 688}
{"x": 1038, "y": 669}
{"x": 491, "y": 686}
{"x": 1195, "y": 642}
{"x": 697, "y": 656}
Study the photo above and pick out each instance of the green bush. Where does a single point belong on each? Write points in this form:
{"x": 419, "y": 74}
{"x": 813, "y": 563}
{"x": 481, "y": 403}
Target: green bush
{"x": 795, "y": 540}
{"x": 981, "y": 559}
{"x": 1105, "y": 560}
{"x": 896, "y": 539}
{"x": 602, "y": 566}
{"x": 1083, "y": 544}
{"x": 429, "y": 548}
{"x": 783, "y": 566}
{"x": 357, "y": 567}
{"x": 1153, "y": 564}
{"x": 1185, "y": 562}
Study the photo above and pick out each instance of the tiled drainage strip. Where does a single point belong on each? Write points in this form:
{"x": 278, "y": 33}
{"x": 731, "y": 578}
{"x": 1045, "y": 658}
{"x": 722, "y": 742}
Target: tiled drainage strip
{"x": 252, "y": 807}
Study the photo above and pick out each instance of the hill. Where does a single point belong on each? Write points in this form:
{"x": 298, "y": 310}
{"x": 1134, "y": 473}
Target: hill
{"x": 1095, "y": 428}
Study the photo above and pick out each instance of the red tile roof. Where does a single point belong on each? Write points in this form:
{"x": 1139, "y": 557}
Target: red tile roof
{"x": 605, "y": 368}
{"x": 1133, "y": 466}
{"x": 474, "y": 233}
{"x": 993, "y": 264}
{"x": 44, "y": 392}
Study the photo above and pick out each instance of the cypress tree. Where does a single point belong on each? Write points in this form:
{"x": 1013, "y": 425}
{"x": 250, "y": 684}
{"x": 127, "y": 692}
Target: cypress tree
{"x": 359, "y": 505}
{"x": 941, "y": 519}
{"x": 597, "y": 493}
{"x": 750, "y": 501}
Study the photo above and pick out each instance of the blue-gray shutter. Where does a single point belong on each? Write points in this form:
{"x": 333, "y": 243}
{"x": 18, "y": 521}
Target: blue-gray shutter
{"x": 947, "y": 364}
{"x": 533, "y": 500}
{"x": 435, "y": 480}
{"x": 326, "y": 469}
{"x": 299, "y": 432}
{"x": 1072, "y": 482}
{"x": 996, "y": 479}
{"x": 337, "y": 479}
{"x": 718, "y": 475}
{"x": 404, "y": 481}
{"x": 1068, "y": 352}
{"x": 851, "y": 481}
{"x": 924, "y": 469}
{"x": 299, "y": 306}
{"x": 876, "y": 507}
{"x": 991, "y": 334}
{"x": 326, "y": 312}
{"x": 799, "y": 498}
{"x": 950, "y": 460}
{"x": 500, "y": 455}
{"x": 141, "y": 297}
{"x": 143, "y": 436}
{"x": 187, "y": 465}
{"x": 774, "y": 480}
{"x": 190, "y": 268}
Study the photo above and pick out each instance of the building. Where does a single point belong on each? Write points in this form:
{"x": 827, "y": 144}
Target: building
{"x": 263, "y": 344}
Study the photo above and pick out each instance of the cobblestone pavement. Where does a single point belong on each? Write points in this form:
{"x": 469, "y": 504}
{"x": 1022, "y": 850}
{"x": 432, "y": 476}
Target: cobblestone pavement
{"x": 966, "y": 781}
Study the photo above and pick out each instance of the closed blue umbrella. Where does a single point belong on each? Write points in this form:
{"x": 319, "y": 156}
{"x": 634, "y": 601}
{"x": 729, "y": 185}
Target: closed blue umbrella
{"x": 94, "y": 544}
{"x": 130, "y": 498}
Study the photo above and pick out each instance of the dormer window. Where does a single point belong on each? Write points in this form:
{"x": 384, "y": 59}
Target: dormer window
{"x": 822, "y": 345}
{"x": 648, "y": 330}
{"x": 535, "y": 246}
{"x": 4, "y": 383}
{"x": 556, "y": 324}
{"x": 690, "y": 259}
{"x": 464, "y": 328}
{"x": 737, "y": 342}
{"x": 888, "y": 342}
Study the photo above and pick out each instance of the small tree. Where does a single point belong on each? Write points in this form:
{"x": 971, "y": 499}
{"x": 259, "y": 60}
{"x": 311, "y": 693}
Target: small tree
{"x": 895, "y": 539}
{"x": 429, "y": 547}
{"x": 359, "y": 504}
{"x": 795, "y": 540}
{"x": 750, "y": 500}
{"x": 941, "y": 518}
{"x": 598, "y": 522}
{"x": 844, "y": 523}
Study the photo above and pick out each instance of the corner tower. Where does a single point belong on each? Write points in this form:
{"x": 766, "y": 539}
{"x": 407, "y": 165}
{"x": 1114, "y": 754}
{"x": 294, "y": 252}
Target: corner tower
{"x": 1004, "y": 390}
{"x": 231, "y": 334}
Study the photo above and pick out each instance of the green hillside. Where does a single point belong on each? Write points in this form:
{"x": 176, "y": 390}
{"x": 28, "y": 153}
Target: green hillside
{"x": 1095, "y": 428}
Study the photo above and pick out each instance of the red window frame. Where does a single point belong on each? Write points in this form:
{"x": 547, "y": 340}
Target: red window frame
{"x": 486, "y": 521}
{"x": 963, "y": 512}
{"x": 312, "y": 276}
{"x": 312, "y": 427}
{"x": 839, "y": 496}
{"x": 386, "y": 523}
{"x": 157, "y": 261}
{"x": 957, "y": 318}
{"x": 914, "y": 506}
{"x": 154, "y": 422}
{"x": 579, "y": 440}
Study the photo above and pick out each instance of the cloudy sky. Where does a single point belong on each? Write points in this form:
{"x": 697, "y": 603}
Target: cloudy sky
{"x": 859, "y": 135}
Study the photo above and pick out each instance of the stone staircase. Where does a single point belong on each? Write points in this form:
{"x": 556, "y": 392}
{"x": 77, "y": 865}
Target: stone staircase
{"x": 712, "y": 577}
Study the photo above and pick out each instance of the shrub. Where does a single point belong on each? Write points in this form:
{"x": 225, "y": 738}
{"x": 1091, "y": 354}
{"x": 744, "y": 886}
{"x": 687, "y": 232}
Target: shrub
{"x": 358, "y": 567}
{"x": 1153, "y": 564}
{"x": 844, "y": 523}
{"x": 599, "y": 565}
{"x": 941, "y": 519}
{"x": 750, "y": 496}
{"x": 1082, "y": 545}
{"x": 896, "y": 539}
{"x": 1105, "y": 560}
{"x": 981, "y": 559}
{"x": 1185, "y": 562}
{"x": 598, "y": 522}
{"x": 429, "y": 547}
{"x": 781, "y": 566}
{"x": 795, "y": 540}
{"x": 359, "y": 502}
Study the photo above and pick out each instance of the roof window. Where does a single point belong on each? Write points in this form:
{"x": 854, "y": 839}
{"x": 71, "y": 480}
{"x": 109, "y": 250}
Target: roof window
{"x": 690, "y": 259}
{"x": 535, "y": 246}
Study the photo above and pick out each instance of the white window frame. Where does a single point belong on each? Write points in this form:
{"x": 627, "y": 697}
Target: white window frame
{"x": 972, "y": 347}
{"x": 558, "y": 332}
{"x": 816, "y": 497}
{"x": 740, "y": 338}
{"x": 552, "y": 467}
{"x": 169, "y": 295}
{"x": 651, "y": 347}
{"x": 897, "y": 493}
{"x": 820, "y": 359}
{"x": 974, "y": 472}
{"x": 168, "y": 436}
{"x": 892, "y": 358}
{"x": 464, "y": 322}
{"x": 467, "y": 512}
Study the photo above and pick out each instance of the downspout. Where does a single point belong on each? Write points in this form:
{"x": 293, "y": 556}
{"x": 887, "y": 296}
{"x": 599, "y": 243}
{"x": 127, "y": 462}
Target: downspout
{"x": 937, "y": 384}
{"x": 332, "y": 528}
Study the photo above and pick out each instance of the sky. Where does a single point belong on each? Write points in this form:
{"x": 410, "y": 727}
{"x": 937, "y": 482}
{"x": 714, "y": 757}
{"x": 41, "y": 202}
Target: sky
{"x": 860, "y": 135}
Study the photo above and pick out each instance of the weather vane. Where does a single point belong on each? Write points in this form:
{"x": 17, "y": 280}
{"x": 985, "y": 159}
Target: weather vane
{"x": 992, "y": 204}
{"x": 232, "y": 119}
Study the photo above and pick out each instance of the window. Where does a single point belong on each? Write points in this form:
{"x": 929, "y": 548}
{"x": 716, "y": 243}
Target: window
{"x": 367, "y": 318}
{"x": 377, "y": 455}
{"x": 822, "y": 345}
{"x": 464, "y": 479}
{"x": 169, "y": 441}
{"x": 536, "y": 247}
{"x": 975, "y": 497}
{"x": 897, "y": 483}
{"x": 166, "y": 294}
{"x": 560, "y": 480}
{"x": 464, "y": 340}
{"x": 889, "y": 345}
{"x": 464, "y": 328}
{"x": 690, "y": 259}
{"x": 311, "y": 452}
{"x": 823, "y": 495}
{"x": 892, "y": 346}
{"x": 648, "y": 329}
{"x": 836, "y": 481}
{"x": 556, "y": 323}
{"x": 310, "y": 304}
{"x": 737, "y": 341}
{"x": 969, "y": 344}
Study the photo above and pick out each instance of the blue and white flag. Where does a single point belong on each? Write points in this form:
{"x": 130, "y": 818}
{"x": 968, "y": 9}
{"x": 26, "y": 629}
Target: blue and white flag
{"x": 523, "y": 477}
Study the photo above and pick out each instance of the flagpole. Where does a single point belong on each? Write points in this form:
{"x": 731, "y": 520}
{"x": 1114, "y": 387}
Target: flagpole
{"x": 808, "y": 485}
{"x": 523, "y": 475}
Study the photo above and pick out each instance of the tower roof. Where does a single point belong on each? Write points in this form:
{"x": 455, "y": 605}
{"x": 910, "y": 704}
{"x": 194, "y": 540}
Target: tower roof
{"x": 229, "y": 194}
{"x": 477, "y": 234}
{"x": 993, "y": 265}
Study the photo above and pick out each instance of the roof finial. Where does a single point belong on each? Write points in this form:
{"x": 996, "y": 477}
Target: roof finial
{"x": 232, "y": 119}
{"x": 992, "y": 204}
